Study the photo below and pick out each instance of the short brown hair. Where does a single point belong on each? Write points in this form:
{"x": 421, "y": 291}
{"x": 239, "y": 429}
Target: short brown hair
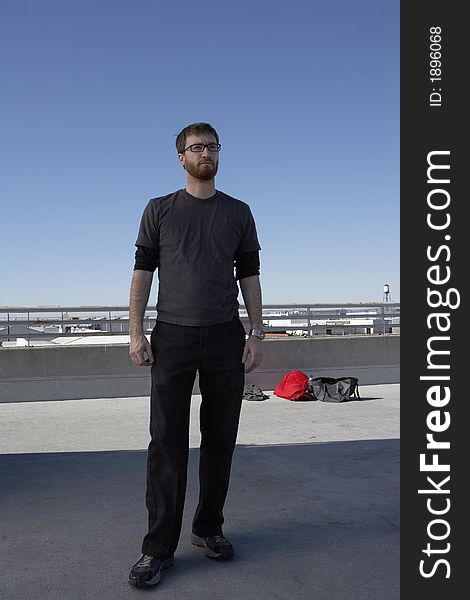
{"x": 194, "y": 128}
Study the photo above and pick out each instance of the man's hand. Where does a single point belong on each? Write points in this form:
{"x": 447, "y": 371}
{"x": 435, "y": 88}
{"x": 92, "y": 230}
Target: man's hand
{"x": 252, "y": 354}
{"x": 140, "y": 351}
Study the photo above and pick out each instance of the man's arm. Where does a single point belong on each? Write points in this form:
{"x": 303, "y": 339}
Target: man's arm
{"x": 140, "y": 291}
{"x": 251, "y": 291}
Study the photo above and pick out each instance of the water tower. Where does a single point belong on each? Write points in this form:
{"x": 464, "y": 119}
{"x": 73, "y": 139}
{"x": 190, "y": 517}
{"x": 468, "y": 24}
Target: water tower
{"x": 386, "y": 296}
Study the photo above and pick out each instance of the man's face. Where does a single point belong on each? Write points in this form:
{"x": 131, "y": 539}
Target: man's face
{"x": 201, "y": 165}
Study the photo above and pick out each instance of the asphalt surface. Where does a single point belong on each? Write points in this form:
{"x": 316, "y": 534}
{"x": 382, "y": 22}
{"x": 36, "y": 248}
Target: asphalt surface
{"x": 312, "y": 509}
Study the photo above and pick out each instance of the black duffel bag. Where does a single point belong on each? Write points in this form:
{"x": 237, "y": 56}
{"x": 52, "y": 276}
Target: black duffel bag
{"x": 331, "y": 389}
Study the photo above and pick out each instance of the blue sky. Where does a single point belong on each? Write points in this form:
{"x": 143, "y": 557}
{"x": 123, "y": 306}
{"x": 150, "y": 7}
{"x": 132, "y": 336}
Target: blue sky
{"x": 304, "y": 95}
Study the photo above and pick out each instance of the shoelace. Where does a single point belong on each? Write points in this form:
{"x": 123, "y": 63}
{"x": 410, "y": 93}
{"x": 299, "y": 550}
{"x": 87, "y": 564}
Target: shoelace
{"x": 146, "y": 560}
{"x": 219, "y": 539}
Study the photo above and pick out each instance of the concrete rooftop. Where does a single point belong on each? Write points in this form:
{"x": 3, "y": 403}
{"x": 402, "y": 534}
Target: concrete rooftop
{"x": 312, "y": 510}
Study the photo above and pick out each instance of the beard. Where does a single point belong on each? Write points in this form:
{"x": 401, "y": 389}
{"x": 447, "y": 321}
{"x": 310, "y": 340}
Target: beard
{"x": 204, "y": 171}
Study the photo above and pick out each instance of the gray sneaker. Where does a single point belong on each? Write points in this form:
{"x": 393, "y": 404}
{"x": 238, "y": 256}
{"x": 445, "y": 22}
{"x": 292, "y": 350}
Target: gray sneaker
{"x": 216, "y": 546}
{"x": 148, "y": 570}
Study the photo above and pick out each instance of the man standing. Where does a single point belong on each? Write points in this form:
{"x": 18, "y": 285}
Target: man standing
{"x": 196, "y": 237}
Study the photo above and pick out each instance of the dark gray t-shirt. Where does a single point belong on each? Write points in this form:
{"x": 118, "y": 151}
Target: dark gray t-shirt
{"x": 197, "y": 241}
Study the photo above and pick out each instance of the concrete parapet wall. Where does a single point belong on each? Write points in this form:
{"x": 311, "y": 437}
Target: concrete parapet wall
{"x": 74, "y": 372}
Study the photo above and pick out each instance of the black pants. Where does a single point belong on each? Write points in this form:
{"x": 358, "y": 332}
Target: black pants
{"x": 179, "y": 351}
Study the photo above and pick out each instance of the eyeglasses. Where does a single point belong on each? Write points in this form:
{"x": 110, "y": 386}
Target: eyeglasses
{"x": 200, "y": 147}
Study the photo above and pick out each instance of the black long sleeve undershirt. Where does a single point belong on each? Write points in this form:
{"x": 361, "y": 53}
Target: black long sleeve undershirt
{"x": 246, "y": 264}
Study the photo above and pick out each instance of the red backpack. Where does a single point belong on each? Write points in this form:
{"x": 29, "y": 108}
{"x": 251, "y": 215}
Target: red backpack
{"x": 293, "y": 386}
